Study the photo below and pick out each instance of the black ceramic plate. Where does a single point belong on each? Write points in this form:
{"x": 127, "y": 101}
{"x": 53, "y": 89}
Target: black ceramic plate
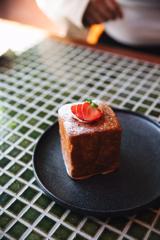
{"x": 134, "y": 186}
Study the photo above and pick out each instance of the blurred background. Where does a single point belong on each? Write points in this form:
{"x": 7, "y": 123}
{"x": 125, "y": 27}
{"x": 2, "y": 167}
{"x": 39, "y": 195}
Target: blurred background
{"x": 118, "y": 34}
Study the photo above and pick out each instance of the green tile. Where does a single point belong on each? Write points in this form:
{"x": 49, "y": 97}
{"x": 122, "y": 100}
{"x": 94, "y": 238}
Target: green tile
{"x": 15, "y": 168}
{"x": 154, "y": 236}
{"x": 112, "y": 91}
{"x": 141, "y": 92}
{"x": 22, "y": 117}
{"x": 23, "y": 130}
{"x": 31, "y": 215}
{"x": 119, "y": 223}
{"x": 38, "y": 93}
{"x": 27, "y": 175}
{"x": 22, "y": 106}
{"x": 141, "y": 110}
{"x": 129, "y": 106}
{"x": 13, "y": 138}
{"x": 65, "y": 94}
{"x": 100, "y": 88}
{"x": 35, "y": 134}
{"x": 147, "y": 216}
{"x": 73, "y": 219}
{"x": 31, "y": 110}
{"x": 46, "y": 224}
{"x": 12, "y": 102}
{"x": 117, "y": 101}
{"x": 11, "y": 92}
{"x": 57, "y": 210}
{"x": 153, "y": 95}
{"x": 52, "y": 119}
{"x": 4, "y": 199}
{"x": 157, "y": 224}
{"x": 43, "y": 126}
{"x": 55, "y": 90}
{"x": 137, "y": 231}
{"x": 5, "y": 220}
{"x": 147, "y": 102}
{"x": 25, "y": 143}
{"x": 30, "y": 99}
{"x": 20, "y": 96}
{"x": 58, "y": 100}
{"x": 16, "y": 207}
{"x": 62, "y": 233}
{"x": 40, "y": 103}
{"x": 130, "y": 89}
{"x": 135, "y": 99}
{"x": 29, "y": 193}
{"x": 48, "y": 97}
{"x": 158, "y": 106}
{"x": 34, "y": 236}
{"x": 4, "y": 146}
{"x": 12, "y": 113}
{"x": 17, "y": 230}
{"x": 16, "y": 186}
{"x": 90, "y": 227}
{"x": 42, "y": 114}
{"x": 12, "y": 125}
{"x": 4, "y": 162}
{"x": 76, "y": 97}
{"x": 26, "y": 158}
{"x": 33, "y": 121}
{"x": 50, "y": 107}
{"x": 108, "y": 235}
{"x": 15, "y": 152}
{"x": 4, "y": 178}
{"x": 43, "y": 201}
{"x": 94, "y": 95}
{"x": 154, "y": 113}
{"x": 79, "y": 237}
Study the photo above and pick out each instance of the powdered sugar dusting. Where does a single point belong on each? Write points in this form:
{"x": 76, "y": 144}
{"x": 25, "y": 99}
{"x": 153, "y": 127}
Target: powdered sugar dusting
{"x": 75, "y": 127}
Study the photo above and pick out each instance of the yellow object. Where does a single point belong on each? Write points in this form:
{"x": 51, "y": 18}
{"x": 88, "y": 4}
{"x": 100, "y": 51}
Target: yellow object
{"x": 94, "y": 33}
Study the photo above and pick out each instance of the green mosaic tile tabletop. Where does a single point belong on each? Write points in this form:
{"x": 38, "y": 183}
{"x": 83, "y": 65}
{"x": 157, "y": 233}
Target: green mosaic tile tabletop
{"x": 32, "y": 87}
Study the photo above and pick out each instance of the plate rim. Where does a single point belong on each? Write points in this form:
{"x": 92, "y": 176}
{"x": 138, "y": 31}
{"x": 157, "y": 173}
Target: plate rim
{"x": 99, "y": 213}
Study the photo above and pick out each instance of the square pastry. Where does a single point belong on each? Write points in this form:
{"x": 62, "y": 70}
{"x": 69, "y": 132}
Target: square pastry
{"x": 90, "y": 136}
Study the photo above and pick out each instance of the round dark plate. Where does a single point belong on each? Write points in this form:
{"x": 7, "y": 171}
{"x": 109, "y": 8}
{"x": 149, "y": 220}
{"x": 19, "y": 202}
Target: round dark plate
{"x": 134, "y": 186}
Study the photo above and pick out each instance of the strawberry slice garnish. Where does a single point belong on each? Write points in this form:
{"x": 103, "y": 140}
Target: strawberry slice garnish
{"x": 79, "y": 111}
{"x": 86, "y": 111}
{"x": 76, "y": 110}
{"x": 93, "y": 114}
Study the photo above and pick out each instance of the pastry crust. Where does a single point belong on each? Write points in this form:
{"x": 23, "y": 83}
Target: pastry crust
{"x": 89, "y": 148}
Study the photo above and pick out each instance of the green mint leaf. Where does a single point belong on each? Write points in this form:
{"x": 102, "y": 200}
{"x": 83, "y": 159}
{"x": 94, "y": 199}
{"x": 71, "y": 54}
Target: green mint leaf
{"x": 89, "y": 100}
{"x": 94, "y": 105}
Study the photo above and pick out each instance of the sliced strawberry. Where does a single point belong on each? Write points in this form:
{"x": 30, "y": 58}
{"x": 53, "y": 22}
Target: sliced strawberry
{"x": 92, "y": 114}
{"x": 85, "y": 106}
{"x": 74, "y": 109}
{"x": 79, "y": 113}
{"x": 86, "y": 112}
